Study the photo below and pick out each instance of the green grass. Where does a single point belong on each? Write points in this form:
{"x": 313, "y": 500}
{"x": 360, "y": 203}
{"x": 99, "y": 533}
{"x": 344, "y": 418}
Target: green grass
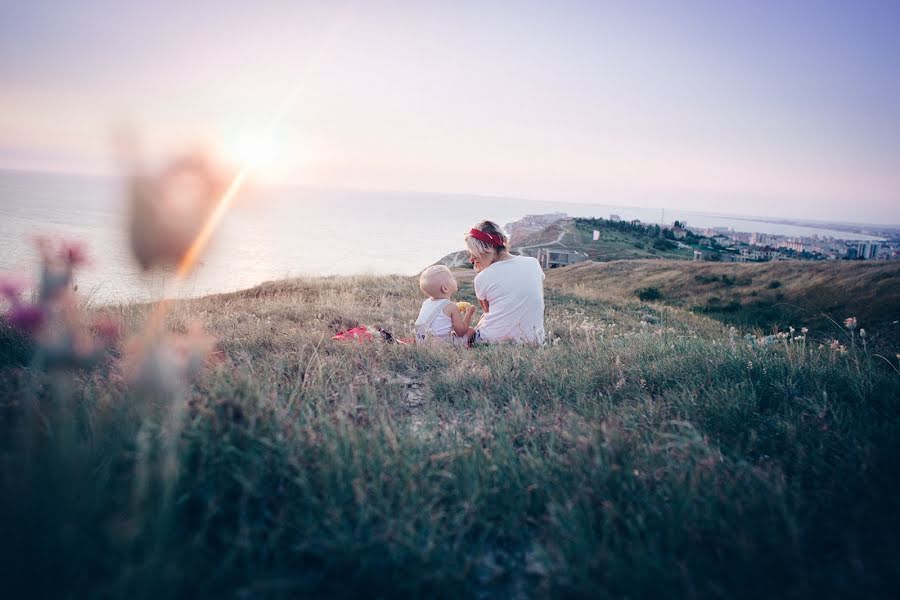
{"x": 619, "y": 241}
{"x": 646, "y": 451}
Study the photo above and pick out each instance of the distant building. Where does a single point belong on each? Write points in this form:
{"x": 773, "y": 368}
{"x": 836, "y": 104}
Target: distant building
{"x": 615, "y": 218}
{"x": 792, "y": 245}
{"x": 551, "y": 258}
{"x": 679, "y": 232}
{"x": 721, "y": 240}
{"x": 864, "y": 250}
{"x": 759, "y": 239}
{"x": 756, "y": 255}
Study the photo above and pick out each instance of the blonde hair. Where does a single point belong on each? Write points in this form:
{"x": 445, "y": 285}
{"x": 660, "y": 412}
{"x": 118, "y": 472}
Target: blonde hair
{"x": 480, "y": 248}
{"x": 432, "y": 278}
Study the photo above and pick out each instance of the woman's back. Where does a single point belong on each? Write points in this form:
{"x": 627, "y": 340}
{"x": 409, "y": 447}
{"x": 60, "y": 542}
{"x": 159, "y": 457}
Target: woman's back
{"x": 514, "y": 290}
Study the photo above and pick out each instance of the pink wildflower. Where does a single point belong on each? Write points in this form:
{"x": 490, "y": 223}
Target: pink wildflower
{"x": 850, "y": 323}
{"x": 27, "y": 318}
{"x": 11, "y": 286}
{"x": 73, "y": 253}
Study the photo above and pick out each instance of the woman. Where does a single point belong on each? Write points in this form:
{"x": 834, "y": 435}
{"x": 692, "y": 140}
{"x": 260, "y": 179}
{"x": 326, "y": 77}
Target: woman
{"x": 509, "y": 288}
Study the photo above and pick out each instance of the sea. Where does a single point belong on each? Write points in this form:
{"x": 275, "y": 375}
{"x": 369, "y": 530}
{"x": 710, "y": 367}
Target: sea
{"x": 276, "y": 233}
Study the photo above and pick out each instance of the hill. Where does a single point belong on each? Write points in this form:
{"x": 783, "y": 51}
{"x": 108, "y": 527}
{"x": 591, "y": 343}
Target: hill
{"x": 817, "y": 295}
{"x": 618, "y": 240}
{"x": 646, "y": 451}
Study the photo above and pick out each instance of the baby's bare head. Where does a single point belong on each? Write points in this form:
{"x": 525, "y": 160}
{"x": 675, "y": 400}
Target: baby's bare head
{"x": 438, "y": 282}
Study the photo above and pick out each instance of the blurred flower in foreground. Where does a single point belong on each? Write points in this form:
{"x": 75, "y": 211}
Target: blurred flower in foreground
{"x": 27, "y": 319}
{"x": 55, "y": 322}
{"x": 12, "y": 286}
{"x": 162, "y": 364}
{"x": 169, "y": 211}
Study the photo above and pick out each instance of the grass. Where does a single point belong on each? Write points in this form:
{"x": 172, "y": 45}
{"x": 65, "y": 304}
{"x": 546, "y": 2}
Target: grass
{"x": 817, "y": 295}
{"x": 646, "y": 451}
{"x": 620, "y": 241}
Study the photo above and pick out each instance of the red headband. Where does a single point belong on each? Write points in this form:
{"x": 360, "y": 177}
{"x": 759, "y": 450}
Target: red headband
{"x": 487, "y": 238}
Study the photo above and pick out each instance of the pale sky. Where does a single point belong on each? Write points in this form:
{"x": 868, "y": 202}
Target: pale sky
{"x": 786, "y": 109}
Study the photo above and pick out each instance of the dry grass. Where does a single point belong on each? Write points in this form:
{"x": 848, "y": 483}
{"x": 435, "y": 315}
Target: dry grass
{"x": 759, "y": 294}
{"x": 647, "y": 451}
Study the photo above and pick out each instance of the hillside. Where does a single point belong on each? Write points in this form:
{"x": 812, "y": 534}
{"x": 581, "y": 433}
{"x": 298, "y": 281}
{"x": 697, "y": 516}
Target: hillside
{"x": 646, "y": 451}
{"x": 618, "y": 241}
{"x": 817, "y": 295}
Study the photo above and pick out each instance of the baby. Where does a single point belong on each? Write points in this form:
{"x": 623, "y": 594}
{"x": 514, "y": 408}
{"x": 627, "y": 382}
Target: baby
{"x": 441, "y": 318}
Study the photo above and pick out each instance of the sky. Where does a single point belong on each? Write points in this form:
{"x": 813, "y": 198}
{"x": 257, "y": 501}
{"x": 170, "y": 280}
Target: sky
{"x": 784, "y": 109}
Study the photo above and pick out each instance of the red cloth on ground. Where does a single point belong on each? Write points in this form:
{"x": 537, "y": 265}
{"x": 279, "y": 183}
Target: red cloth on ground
{"x": 360, "y": 334}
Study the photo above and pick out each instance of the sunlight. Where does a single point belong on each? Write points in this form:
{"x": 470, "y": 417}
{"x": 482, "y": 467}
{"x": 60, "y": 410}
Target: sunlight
{"x": 258, "y": 150}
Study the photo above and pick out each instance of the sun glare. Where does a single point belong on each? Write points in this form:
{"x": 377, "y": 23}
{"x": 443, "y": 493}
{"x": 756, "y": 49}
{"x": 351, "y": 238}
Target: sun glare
{"x": 257, "y": 150}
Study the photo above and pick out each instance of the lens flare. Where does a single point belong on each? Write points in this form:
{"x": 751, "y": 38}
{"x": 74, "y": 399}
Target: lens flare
{"x": 257, "y": 150}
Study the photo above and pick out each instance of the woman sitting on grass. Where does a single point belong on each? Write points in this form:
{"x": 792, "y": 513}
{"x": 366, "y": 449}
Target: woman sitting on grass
{"x": 509, "y": 288}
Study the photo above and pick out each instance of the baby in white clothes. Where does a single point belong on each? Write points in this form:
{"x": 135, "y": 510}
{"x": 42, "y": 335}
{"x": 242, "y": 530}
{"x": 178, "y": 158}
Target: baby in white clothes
{"x": 440, "y": 318}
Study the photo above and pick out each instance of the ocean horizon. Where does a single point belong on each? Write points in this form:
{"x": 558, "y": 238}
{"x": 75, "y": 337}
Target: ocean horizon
{"x": 282, "y": 232}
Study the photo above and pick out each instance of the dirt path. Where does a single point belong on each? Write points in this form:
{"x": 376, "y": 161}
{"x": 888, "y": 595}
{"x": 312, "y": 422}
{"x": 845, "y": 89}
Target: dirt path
{"x": 565, "y": 230}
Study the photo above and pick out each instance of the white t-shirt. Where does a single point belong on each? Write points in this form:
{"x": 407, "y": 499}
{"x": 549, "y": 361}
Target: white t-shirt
{"x": 514, "y": 290}
{"x": 432, "y": 321}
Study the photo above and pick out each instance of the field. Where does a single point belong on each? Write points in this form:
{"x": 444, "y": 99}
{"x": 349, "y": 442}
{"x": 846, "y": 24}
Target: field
{"x": 762, "y": 295}
{"x": 647, "y": 451}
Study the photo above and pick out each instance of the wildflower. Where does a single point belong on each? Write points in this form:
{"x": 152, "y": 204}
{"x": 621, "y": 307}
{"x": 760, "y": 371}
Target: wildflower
{"x": 27, "y": 318}
{"x": 12, "y": 286}
{"x": 54, "y": 281}
{"x": 804, "y": 330}
{"x": 862, "y": 333}
{"x": 791, "y": 329}
{"x": 836, "y": 346}
{"x": 72, "y": 253}
{"x": 850, "y": 323}
{"x": 170, "y": 210}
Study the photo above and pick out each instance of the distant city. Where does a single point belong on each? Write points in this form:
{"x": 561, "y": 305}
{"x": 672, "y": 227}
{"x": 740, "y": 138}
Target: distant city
{"x": 727, "y": 245}
{"x": 557, "y": 240}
